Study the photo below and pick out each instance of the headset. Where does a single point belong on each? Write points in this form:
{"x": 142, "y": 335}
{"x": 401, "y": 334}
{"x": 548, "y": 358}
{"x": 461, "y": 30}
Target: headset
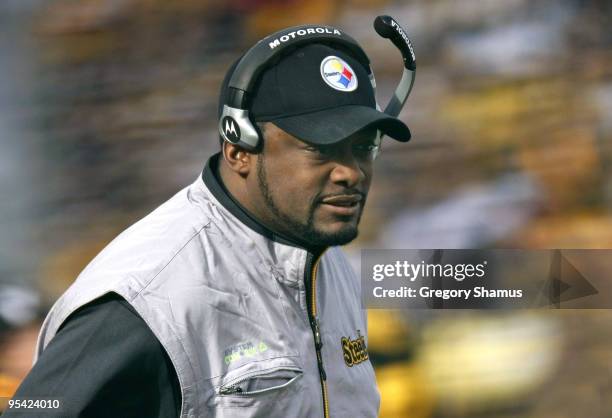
{"x": 236, "y": 127}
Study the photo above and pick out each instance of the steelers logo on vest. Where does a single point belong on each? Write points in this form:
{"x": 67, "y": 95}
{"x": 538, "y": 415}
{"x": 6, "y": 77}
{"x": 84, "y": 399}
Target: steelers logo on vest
{"x": 354, "y": 351}
{"x": 338, "y": 74}
{"x": 231, "y": 130}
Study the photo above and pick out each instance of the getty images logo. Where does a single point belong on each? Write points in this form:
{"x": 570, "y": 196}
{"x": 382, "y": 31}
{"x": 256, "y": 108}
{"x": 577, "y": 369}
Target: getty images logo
{"x": 231, "y": 131}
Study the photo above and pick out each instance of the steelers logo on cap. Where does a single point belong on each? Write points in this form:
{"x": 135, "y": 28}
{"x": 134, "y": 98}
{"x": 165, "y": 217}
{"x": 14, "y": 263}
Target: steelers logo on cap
{"x": 338, "y": 74}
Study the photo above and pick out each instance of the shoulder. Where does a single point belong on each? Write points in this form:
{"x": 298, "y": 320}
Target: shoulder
{"x": 148, "y": 245}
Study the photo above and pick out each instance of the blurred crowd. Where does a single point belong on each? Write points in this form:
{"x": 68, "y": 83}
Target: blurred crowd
{"x": 108, "y": 107}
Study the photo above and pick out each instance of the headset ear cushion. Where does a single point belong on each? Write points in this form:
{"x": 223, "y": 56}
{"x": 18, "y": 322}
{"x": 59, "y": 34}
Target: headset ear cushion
{"x": 236, "y": 127}
{"x": 230, "y": 129}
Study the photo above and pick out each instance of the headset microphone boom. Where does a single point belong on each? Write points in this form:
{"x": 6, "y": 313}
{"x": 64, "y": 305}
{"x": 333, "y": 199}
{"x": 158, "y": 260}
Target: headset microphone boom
{"x": 387, "y": 27}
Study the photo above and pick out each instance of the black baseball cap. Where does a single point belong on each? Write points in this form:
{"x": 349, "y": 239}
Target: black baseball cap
{"x": 319, "y": 94}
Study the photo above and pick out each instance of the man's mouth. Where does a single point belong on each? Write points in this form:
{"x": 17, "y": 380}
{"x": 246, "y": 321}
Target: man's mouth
{"x": 345, "y": 205}
{"x": 343, "y": 200}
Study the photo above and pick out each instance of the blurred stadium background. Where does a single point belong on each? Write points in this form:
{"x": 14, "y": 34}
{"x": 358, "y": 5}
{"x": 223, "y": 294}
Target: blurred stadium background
{"x": 108, "y": 107}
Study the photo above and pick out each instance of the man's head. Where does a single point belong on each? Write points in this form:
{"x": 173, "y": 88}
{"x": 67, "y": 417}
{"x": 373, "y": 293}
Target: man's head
{"x": 309, "y": 178}
{"x": 313, "y": 193}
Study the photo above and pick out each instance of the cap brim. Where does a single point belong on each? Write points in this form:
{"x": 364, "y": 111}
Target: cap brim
{"x": 333, "y": 125}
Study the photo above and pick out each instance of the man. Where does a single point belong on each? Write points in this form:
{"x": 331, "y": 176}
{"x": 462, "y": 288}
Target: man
{"x": 232, "y": 299}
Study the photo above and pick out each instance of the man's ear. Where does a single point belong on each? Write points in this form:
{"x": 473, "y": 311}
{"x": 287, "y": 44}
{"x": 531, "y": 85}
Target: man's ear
{"x": 237, "y": 158}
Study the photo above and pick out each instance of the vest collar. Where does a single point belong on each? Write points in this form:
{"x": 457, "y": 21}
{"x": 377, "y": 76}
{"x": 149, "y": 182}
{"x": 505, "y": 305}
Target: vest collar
{"x": 213, "y": 181}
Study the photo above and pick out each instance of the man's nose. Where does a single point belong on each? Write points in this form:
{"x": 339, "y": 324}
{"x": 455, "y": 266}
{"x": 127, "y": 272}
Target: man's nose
{"x": 348, "y": 172}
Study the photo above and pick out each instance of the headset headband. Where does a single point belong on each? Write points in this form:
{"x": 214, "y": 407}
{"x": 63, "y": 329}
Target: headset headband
{"x": 256, "y": 59}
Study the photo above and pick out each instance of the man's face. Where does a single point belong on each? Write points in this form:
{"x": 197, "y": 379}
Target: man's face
{"x": 313, "y": 193}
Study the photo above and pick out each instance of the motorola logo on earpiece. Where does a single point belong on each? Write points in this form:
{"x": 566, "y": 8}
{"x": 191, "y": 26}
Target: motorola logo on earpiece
{"x": 231, "y": 130}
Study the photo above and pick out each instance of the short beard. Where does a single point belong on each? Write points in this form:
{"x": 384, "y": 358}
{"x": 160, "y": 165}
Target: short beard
{"x": 305, "y": 231}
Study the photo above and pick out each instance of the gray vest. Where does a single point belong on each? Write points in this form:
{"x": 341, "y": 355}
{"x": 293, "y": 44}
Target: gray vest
{"x": 229, "y": 306}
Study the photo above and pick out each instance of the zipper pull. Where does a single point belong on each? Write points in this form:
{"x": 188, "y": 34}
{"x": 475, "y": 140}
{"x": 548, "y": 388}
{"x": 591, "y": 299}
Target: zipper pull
{"x": 228, "y": 390}
{"x": 317, "y": 334}
{"x": 318, "y": 345}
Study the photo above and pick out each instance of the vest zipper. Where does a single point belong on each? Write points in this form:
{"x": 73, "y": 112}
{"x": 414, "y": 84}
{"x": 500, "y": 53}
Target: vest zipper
{"x": 310, "y": 276}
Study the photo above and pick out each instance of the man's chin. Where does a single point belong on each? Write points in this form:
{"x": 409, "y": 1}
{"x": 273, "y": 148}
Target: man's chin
{"x": 330, "y": 238}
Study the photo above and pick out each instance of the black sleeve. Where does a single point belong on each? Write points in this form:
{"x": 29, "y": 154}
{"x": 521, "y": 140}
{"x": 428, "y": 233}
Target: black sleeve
{"x": 103, "y": 362}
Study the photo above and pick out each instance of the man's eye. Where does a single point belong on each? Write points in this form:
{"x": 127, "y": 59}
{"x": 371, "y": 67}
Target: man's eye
{"x": 319, "y": 150}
